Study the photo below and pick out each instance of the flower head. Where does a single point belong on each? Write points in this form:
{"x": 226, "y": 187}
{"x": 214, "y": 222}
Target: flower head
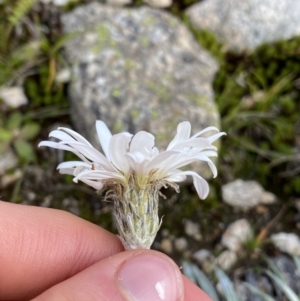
{"x": 135, "y": 168}
{"x": 126, "y": 154}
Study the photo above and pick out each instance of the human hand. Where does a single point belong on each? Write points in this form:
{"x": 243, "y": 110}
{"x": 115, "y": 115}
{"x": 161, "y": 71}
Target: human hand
{"x": 49, "y": 254}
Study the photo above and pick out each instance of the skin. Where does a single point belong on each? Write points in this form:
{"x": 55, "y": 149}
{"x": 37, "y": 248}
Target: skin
{"x": 48, "y": 254}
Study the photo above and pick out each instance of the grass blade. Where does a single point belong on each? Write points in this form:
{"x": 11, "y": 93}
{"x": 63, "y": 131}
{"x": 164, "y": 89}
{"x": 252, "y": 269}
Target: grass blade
{"x": 297, "y": 262}
{"x": 226, "y": 286}
{"x": 258, "y": 292}
{"x": 188, "y": 272}
{"x": 205, "y": 283}
{"x": 283, "y": 286}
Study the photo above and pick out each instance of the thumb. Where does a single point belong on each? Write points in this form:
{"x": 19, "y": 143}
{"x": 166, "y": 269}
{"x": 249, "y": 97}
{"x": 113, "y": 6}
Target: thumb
{"x": 137, "y": 275}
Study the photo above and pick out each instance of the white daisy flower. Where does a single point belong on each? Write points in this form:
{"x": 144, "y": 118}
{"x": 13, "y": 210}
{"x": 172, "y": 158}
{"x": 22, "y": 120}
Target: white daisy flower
{"x": 135, "y": 170}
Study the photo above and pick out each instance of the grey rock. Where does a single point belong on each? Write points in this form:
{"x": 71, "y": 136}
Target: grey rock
{"x": 206, "y": 259}
{"x": 242, "y": 291}
{"x": 137, "y": 69}
{"x": 8, "y": 179}
{"x": 7, "y": 161}
{"x": 180, "y": 244}
{"x": 244, "y": 25}
{"x": 71, "y": 205}
{"x": 287, "y": 242}
{"x": 118, "y": 2}
{"x": 202, "y": 255}
{"x": 57, "y": 2}
{"x": 63, "y": 76}
{"x": 289, "y": 272}
{"x": 226, "y": 260}
{"x": 237, "y": 234}
{"x": 192, "y": 229}
{"x": 14, "y": 97}
{"x": 159, "y": 3}
{"x": 267, "y": 198}
{"x": 165, "y": 233}
{"x": 246, "y": 194}
{"x": 166, "y": 245}
{"x": 47, "y": 201}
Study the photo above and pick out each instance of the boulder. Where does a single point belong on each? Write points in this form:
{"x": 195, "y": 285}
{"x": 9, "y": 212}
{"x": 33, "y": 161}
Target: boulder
{"x": 137, "y": 69}
{"x": 244, "y": 25}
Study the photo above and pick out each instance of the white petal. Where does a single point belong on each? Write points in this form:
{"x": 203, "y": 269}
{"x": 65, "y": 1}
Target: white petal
{"x": 63, "y": 147}
{"x": 74, "y": 134}
{"x": 176, "y": 176}
{"x": 61, "y": 135}
{"x": 208, "y": 129}
{"x": 98, "y": 175}
{"x": 66, "y": 171}
{"x": 213, "y": 168}
{"x": 155, "y": 152}
{"x": 104, "y": 135}
{"x": 90, "y": 153}
{"x": 142, "y": 142}
{"x": 200, "y": 184}
{"x": 183, "y": 133}
{"x": 199, "y": 143}
{"x": 188, "y": 160}
{"x": 95, "y": 184}
{"x": 137, "y": 162}
{"x": 215, "y": 137}
{"x": 118, "y": 147}
{"x": 162, "y": 160}
{"x": 72, "y": 164}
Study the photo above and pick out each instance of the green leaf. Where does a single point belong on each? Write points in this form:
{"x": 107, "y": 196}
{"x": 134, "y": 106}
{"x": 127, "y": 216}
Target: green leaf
{"x": 5, "y": 135}
{"x": 14, "y": 121}
{"x": 30, "y": 130}
{"x": 4, "y": 147}
{"x": 24, "y": 150}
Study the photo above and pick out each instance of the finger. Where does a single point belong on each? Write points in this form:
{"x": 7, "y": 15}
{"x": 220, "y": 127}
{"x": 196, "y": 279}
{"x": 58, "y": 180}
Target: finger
{"x": 193, "y": 292}
{"x": 40, "y": 247}
{"x": 136, "y": 275}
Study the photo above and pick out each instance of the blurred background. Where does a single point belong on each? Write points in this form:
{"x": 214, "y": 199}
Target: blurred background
{"x": 147, "y": 66}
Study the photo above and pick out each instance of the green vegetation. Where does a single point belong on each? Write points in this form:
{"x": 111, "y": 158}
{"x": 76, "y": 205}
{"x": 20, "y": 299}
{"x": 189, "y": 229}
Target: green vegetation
{"x": 257, "y": 94}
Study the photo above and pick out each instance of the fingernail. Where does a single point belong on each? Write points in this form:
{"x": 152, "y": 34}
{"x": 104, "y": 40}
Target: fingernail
{"x": 148, "y": 277}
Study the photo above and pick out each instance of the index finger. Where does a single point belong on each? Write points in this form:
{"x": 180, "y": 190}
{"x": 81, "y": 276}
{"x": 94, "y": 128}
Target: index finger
{"x": 40, "y": 247}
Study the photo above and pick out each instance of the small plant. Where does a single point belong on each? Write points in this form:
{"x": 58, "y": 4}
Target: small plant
{"x": 227, "y": 288}
{"x": 17, "y": 133}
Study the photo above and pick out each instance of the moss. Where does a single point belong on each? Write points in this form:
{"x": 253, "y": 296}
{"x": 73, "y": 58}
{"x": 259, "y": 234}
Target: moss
{"x": 118, "y": 127}
{"x": 144, "y": 42}
{"x": 135, "y": 114}
{"x": 154, "y": 113}
{"x": 130, "y": 64}
{"x": 160, "y": 90}
{"x": 116, "y": 93}
{"x": 149, "y": 21}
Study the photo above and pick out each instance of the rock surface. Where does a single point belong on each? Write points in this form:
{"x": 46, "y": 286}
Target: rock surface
{"x": 244, "y": 25}
{"x": 57, "y": 2}
{"x": 236, "y": 234}
{"x": 14, "y": 97}
{"x": 192, "y": 229}
{"x": 180, "y": 244}
{"x": 246, "y": 194}
{"x": 7, "y": 161}
{"x": 159, "y": 3}
{"x": 287, "y": 242}
{"x": 137, "y": 69}
{"x": 226, "y": 260}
